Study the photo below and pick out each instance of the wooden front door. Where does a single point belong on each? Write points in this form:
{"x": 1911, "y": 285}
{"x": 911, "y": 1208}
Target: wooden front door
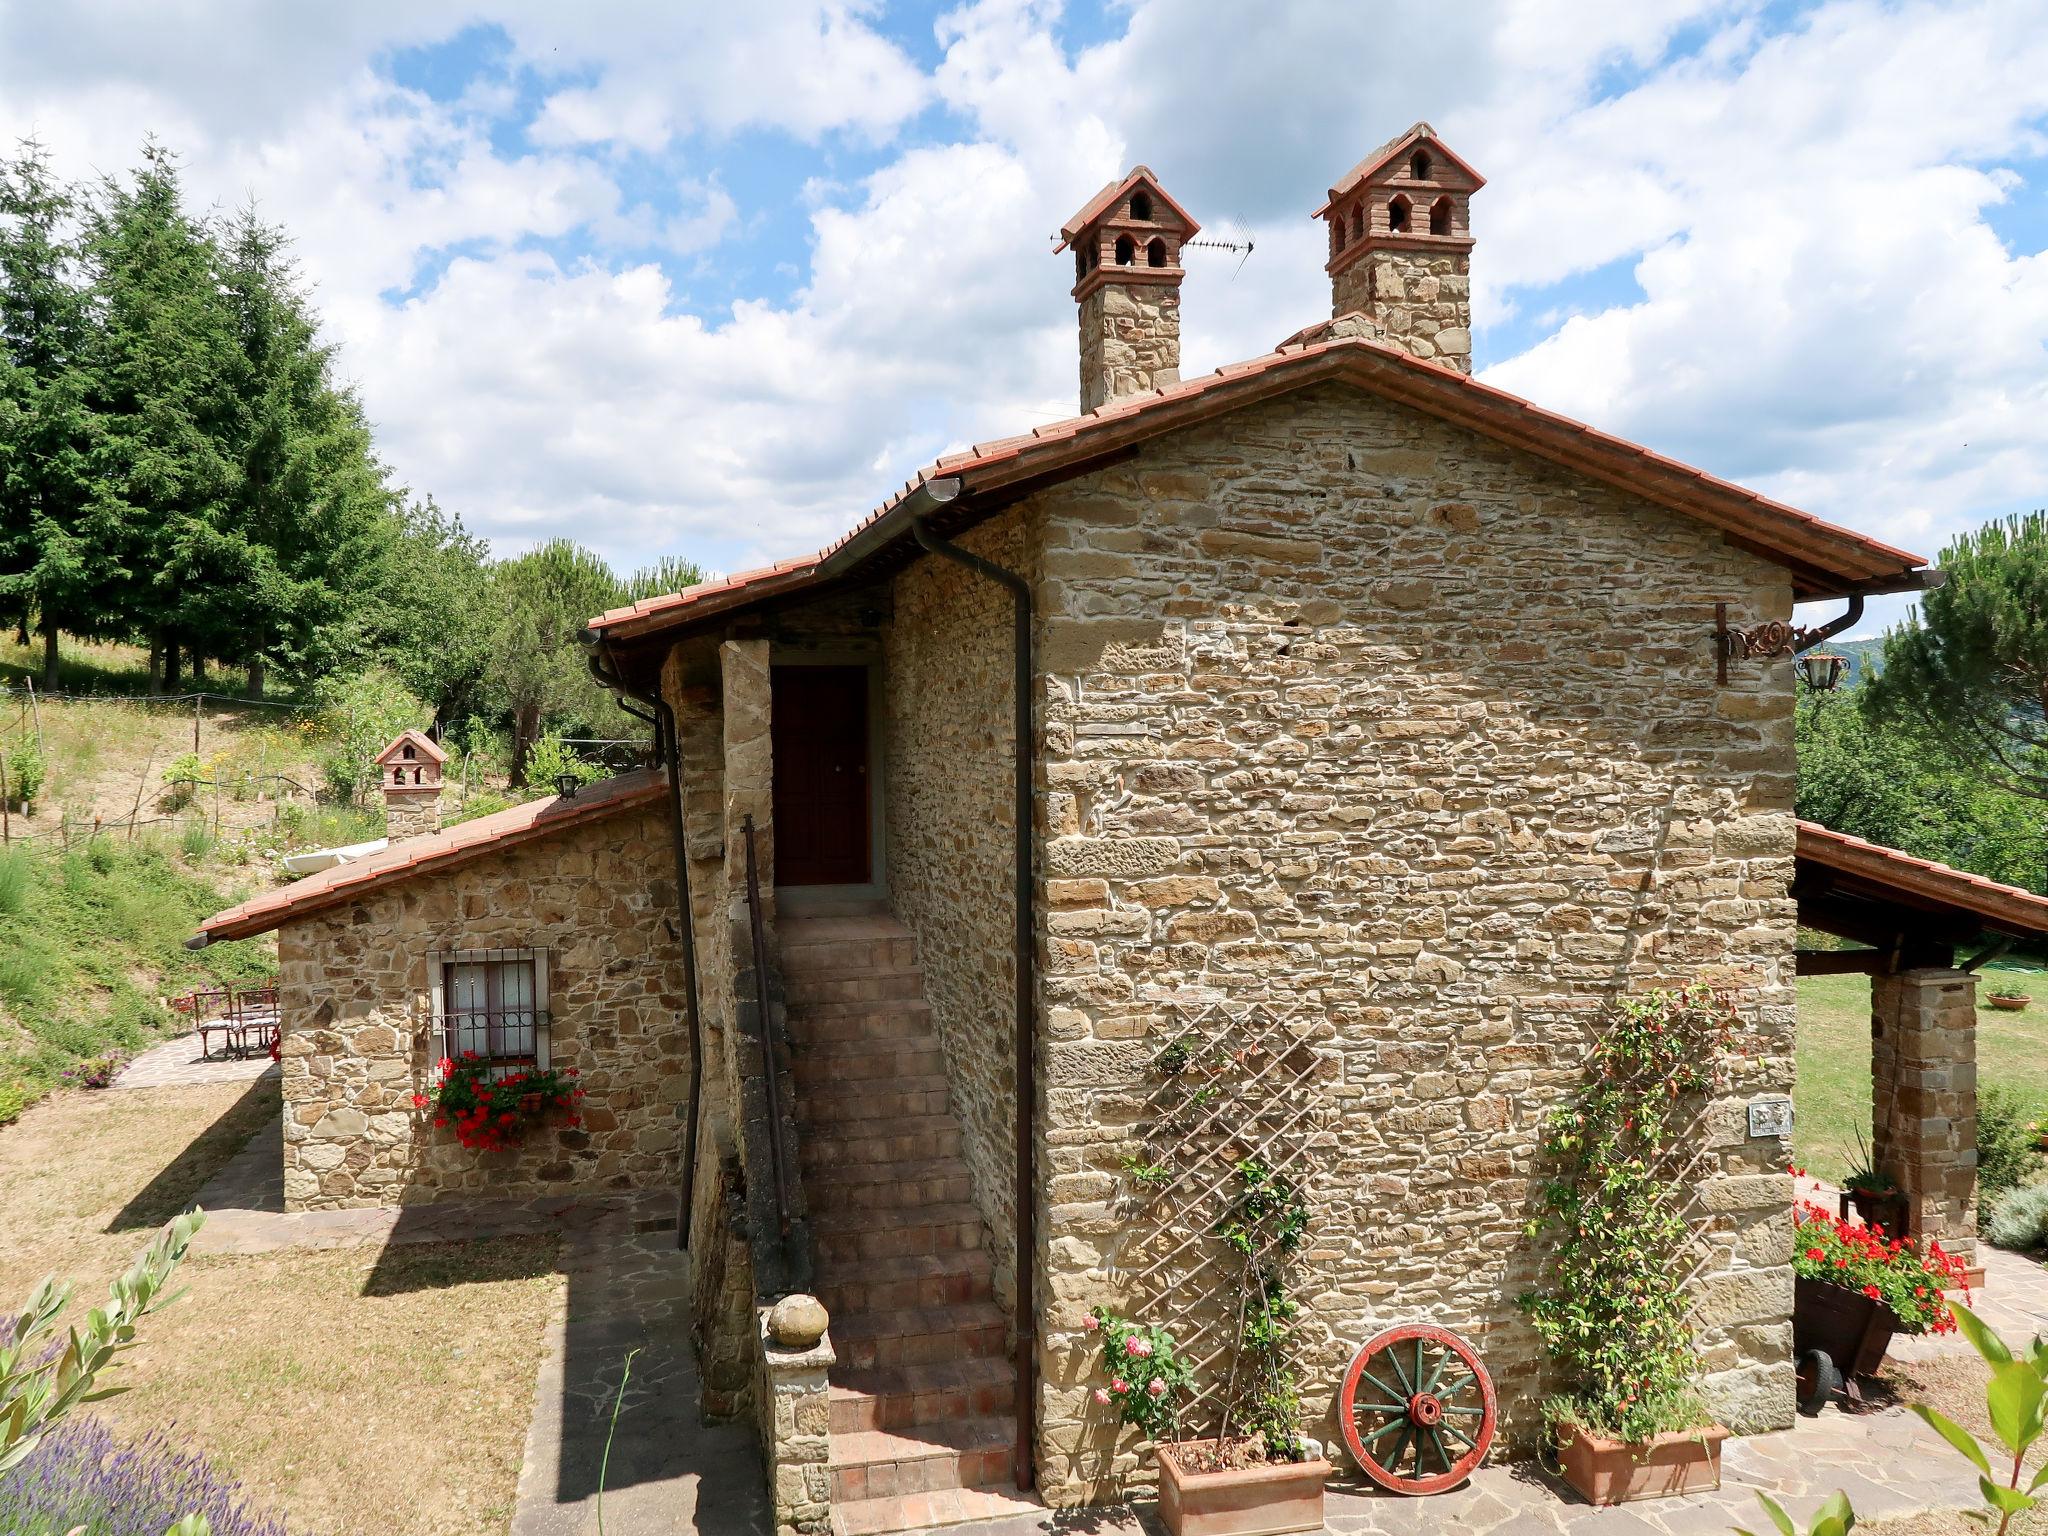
{"x": 820, "y": 740}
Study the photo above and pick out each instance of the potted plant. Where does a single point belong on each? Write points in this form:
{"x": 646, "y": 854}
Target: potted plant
{"x": 2007, "y": 1000}
{"x": 1257, "y": 1475}
{"x": 1614, "y": 1312}
{"x": 1853, "y": 1288}
{"x": 492, "y": 1108}
{"x": 1871, "y": 1192}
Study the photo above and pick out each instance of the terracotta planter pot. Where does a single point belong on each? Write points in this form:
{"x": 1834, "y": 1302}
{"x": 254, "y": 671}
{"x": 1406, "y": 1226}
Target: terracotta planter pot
{"x": 530, "y": 1103}
{"x": 1848, "y": 1327}
{"x": 1887, "y": 1209}
{"x": 1611, "y": 1472}
{"x": 1248, "y": 1501}
{"x": 2008, "y": 1002}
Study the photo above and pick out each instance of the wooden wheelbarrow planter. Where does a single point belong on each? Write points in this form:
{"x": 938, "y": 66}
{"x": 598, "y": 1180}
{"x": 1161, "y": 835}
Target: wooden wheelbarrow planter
{"x": 1837, "y": 1335}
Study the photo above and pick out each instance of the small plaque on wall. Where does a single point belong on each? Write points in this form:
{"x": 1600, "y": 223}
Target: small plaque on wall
{"x": 1771, "y": 1117}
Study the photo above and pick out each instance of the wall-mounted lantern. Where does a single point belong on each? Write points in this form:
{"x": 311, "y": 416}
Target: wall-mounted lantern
{"x": 565, "y": 785}
{"x": 1775, "y": 639}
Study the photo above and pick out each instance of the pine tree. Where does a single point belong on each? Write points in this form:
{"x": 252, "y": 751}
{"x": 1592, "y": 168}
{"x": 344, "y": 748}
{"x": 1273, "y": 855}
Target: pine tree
{"x": 310, "y": 512}
{"x": 163, "y": 390}
{"x": 59, "y": 542}
{"x": 1970, "y": 670}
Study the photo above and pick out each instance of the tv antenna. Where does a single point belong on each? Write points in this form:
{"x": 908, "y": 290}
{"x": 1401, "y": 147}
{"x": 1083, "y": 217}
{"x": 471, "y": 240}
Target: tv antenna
{"x": 1243, "y": 243}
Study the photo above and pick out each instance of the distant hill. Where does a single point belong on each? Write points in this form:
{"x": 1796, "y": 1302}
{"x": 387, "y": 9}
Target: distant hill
{"x": 1866, "y": 657}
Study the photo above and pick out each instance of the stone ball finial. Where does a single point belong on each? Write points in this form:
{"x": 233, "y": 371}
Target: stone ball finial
{"x": 797, "y": 1322}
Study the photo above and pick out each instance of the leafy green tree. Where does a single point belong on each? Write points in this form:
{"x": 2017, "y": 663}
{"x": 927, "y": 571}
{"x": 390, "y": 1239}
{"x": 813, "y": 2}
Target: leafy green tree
{"x": 431, "y": 613}
{"x": 163, "y": 376}
{"x": 59, "y": 542}
{"x": 1887, "y": 781}
{"x": 543, "y": 598}
{"x": 1970, "y": 671}
{"x": 360, "y": 713}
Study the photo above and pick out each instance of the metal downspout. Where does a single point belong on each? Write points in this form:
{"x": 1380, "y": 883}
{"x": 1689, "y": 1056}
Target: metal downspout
{"x": 1027, "y": 1086}
{"x": 668, "y": 740}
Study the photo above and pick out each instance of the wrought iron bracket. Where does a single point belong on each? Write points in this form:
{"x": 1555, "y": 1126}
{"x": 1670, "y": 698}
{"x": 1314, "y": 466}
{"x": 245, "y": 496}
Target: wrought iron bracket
{"x": 1775, "y": 639}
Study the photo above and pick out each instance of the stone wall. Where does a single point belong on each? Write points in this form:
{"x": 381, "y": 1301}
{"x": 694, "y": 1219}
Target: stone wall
{"x": 1351, "y": 711}
{"x": 1130, "y": 340}
{"x": 359, "y": 1041}
{"x": 411, "y": 813}
{"x": 948, "y": 787}
{"x": 1420, "y": 299}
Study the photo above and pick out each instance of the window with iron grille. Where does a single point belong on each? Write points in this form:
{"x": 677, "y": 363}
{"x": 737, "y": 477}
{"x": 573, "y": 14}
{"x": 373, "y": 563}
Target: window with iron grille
{"x": 493, "y": 1002}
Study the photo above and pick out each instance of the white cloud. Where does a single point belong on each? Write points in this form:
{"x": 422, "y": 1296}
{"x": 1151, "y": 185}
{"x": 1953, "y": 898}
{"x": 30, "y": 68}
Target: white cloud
{"x": 1824, "y": 309}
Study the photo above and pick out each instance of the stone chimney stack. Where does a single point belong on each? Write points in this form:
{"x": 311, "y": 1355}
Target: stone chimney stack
{"x": 1127, "y": 273}
{"x": 1401, "y": 246}
{"x": 410, "y": 769}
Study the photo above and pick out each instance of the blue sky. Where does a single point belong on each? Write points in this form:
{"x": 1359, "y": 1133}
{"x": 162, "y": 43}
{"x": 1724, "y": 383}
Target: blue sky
{"x": 711, "y": 280}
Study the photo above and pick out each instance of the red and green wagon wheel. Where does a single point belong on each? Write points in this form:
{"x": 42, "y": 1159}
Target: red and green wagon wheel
{"x": 1417, "y": 1409}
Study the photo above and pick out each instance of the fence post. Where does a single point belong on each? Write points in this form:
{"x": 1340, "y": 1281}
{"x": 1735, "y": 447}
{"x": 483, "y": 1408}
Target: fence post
{"x": 36, "y": 710}
{"x": 6, "y": 805}
{"x": 197, "y": 700}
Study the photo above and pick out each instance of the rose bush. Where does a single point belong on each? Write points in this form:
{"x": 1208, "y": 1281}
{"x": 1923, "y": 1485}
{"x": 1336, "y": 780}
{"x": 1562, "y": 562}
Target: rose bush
{"x": 490, "y": 1113}
{"x": 1906, "y": 1276}
{"x": 1147, "y": 1379}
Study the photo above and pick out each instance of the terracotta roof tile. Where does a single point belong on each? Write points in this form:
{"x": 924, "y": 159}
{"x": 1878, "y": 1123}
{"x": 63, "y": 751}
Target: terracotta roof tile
{"x": 2007, "y": 908}
{"x": 439, "y": 851}
{"x": 1796, "y": 538}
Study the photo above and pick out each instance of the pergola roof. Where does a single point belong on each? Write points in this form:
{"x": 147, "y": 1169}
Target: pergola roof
{"x": 1879, "y": 896}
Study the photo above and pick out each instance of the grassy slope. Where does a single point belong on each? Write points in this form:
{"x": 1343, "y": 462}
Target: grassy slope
{"x": 90, "y": 940}
{"x": 1833, "y": 1094}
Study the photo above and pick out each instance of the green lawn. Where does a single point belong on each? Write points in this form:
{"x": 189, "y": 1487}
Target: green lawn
{"x": 1833, "y": 1092}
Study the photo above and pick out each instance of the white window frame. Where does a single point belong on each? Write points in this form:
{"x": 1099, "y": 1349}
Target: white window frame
{"x": 438, "y": 962}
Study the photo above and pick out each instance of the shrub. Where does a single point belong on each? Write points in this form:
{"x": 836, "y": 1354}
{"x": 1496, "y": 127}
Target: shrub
{"x": 550, "y": 759}
{"x": 2006, "y": 1153}
{"x": 15, "y": 875}
{"x": 26, "y": 771}
{"x": 95, "y": 1071}
{"x": 196, "y": 840}
{"x": 482, "y": 803}
{"x": 82, "y": 1478}
{"x": 181, "y": 781}
{"x": 2019, "y": 1219}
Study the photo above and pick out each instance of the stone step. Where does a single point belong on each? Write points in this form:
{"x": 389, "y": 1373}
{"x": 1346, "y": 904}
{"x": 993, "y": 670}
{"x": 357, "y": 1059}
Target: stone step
{"x": 912, "y": 1181}
{"x": 884, "y": 1141}
{"x": 882, "y": 1102}
{"x": 920, "y": 1335}
{"x": 808, "y": 954}
{"x": 932, "y": 1392}
{"x": 908, "y": 1280}
{"x": 852, "y": 1026}
{"x": 870, "y": 922}
{"x": 883, "y": 1463}
{"x": 853, "y": 1234}
{"x": 865, "y": 1061}
{"x": 803, "y": 989}
{"x": 930, "y": 1511}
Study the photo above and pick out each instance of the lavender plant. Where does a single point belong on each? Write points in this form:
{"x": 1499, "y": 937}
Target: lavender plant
{"x": 43, "y": 1379}
{"x": 82, "y": 1479}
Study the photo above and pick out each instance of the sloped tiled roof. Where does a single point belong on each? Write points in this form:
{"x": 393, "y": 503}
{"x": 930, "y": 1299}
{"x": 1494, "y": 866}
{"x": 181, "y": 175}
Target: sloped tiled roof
{"x": 436, "y": 852}
{"x": 1824, "y": 559}
{"x": 1395, "y": 147}
{"x": 2005, "y": 908}
{"x": 419, "y": 741}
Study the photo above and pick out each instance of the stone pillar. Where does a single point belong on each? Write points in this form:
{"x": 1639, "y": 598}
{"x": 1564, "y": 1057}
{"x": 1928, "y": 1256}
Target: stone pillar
{"x": 411, "y": 812}
{"x": 795, "y": 1424}
{"x": 749, "y": 771}
{"x": 1923, "y": 1060}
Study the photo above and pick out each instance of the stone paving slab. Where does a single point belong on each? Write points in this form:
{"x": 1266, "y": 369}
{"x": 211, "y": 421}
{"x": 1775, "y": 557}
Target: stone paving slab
{"x": 176, "y": 1063}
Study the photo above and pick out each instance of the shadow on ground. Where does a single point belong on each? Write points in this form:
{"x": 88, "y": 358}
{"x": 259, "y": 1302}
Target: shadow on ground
{"x": 204, "y": 1157}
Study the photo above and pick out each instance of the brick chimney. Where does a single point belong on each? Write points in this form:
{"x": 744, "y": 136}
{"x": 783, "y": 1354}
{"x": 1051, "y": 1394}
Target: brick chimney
{"x": 1127, "y": 273}
{"x": 410, "y": 770}
{"x": 1401, "y": 246}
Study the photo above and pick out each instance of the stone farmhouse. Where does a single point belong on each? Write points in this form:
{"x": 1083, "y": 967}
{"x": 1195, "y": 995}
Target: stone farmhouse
{"x": 1336, "y": 697}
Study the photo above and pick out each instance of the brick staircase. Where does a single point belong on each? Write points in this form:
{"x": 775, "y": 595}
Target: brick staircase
{"x": 923, "y": 1397}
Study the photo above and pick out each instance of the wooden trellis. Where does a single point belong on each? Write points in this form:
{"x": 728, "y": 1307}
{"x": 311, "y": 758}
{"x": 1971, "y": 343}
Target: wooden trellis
{"x": 1225, "y": 1086}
